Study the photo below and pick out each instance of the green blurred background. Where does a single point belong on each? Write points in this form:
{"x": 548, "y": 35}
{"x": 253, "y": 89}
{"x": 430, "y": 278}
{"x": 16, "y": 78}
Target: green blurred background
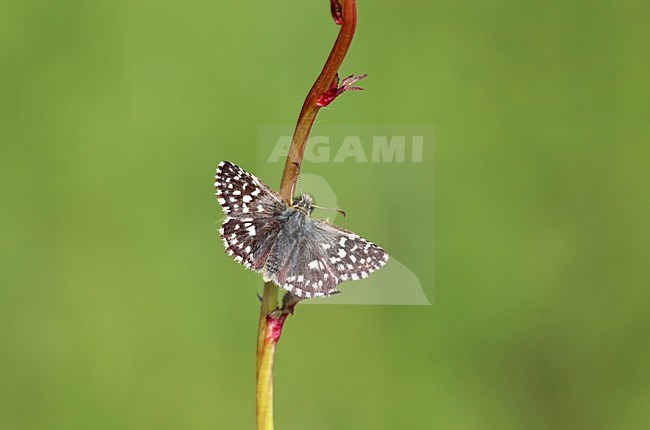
{"x": 119, "y": 309}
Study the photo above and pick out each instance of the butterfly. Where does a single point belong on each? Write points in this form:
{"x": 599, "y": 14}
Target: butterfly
{"x": 307, "y": 257}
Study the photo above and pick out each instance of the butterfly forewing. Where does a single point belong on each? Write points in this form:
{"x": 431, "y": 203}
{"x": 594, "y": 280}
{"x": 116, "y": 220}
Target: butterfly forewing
{"x": 241, "y": 194}
{"x": 253, "y": 223}
{"x": 351, "y": 256}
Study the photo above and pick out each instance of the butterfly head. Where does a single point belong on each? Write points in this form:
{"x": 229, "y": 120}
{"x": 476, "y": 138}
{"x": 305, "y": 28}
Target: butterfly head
{"x": 304, "y": 203}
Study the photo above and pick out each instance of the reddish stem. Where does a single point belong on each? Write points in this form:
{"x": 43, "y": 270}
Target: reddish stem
{"x": 310, "y": 107}
{"x": 274, "y": 327}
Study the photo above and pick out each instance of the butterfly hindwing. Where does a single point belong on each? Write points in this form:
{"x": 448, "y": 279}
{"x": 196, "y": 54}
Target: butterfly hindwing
{"x": 299, "y": 262}
{"x": 249, "y": 240}
{"x": 322, "y": 256}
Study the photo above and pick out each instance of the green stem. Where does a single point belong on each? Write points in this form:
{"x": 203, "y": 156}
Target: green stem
{"x": 265, "y": 355}
{"x": 271, "y": 322}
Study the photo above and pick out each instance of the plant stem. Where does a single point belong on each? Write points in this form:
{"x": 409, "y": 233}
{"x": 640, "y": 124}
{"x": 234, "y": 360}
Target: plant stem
{"x": 265, "y": 356}
{"x": 309, "y": 107}
{"x": 271, "y": 318}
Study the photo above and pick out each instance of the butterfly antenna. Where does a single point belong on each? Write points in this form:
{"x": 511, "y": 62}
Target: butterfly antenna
{"x": 299, "y": 178}
{"x": 341, "y": 211}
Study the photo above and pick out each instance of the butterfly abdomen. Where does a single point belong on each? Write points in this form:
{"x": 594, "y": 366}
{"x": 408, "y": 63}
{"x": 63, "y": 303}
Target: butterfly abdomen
{"x": 289, "y": 235}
